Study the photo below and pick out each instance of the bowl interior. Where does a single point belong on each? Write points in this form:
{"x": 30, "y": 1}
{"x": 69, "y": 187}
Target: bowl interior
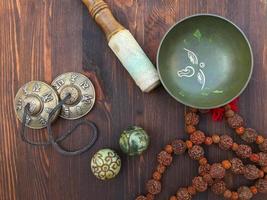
{"x": 205, "y": 61}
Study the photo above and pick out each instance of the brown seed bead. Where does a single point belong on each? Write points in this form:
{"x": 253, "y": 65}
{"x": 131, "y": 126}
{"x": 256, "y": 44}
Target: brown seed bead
{"x": 259, "y": 139}
{"x": 183, "y": 194}
{"x": 244, "y": 193}
{"x": 253, "y": 189}
{"x": 235, "y": 121}
{"x": 161, "y": 168}
{"x": 198, "y": 137}
{"x": 240, "y": 130}
{"x": 150, "y": 196}
{"x": 217, "y": 171}
{"x": 178, "y": 146}
{"x": 203, "y": 161}
{"x": 226, "y": 142}
{"x": 156, "y": 175}
{"x": 191, "y": 119}
{"x": 263, "y": 146}
{"x": 207, "y": 178}
{"x": 164, "y": 158}
{"x": 215, "y": 138}
{"x": 226, "y": 164}
{"x": 189, "y": 144}
{"x": 251, "y": 172}
{"x": 141, "y": 198}
{"x": 234, "y": 196}
{"x": 153, "y": 186}
{"x": 191, "y": 190}
{"x": 227, "y": 107}
{"x": 254, "y": 157}
{"x": 196, "y": 152}
{"x": 229, "y": 113}
{"x": 264, "y": 169}
{"x": 235, "y": 146}
{"x": 262, "y": 159}
{"x": 227, "y": 194}
{"x": 199, "y": 184}
{"x": 244, "y": 151}
{"x": 173, "y": 198}
{"x": 237, "y": 166}
{"x": 168, "y": 149}
{"x": 203, "y": 169}
{"x": 208, "y": 141}
{"x": 261, "y": 174}
{"x": 261, "y": 185}
{"x": 190, "y": 129}
{"x": 218, "y": 187}
{"x": 250, "y": 135}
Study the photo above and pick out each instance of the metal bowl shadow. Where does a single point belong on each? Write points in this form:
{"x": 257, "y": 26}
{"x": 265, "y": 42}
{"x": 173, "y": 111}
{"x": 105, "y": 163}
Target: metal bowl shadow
{"x": 205, "y": 61}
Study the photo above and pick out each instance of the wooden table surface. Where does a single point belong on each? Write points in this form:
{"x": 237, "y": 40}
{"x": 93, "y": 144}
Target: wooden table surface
{"x": 42, "y": 39}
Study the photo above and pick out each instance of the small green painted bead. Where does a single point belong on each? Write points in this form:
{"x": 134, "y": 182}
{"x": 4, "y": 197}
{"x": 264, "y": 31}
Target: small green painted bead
{"x": 105, "y": 164}
{"x": 134, "y": 141}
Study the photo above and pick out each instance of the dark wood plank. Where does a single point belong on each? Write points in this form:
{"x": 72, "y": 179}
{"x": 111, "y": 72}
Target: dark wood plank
{"x": 42, "y": 39}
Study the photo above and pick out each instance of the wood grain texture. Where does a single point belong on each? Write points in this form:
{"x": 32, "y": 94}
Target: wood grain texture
{"x": 41, "y": 39}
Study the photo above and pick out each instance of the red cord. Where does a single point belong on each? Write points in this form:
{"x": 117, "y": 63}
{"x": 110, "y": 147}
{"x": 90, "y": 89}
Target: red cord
{"x": 218, "y": 113}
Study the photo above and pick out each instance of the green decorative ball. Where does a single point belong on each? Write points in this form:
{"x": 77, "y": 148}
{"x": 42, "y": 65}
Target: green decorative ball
{"x": 106, "y": 164}
{"x": 134, "y": 141}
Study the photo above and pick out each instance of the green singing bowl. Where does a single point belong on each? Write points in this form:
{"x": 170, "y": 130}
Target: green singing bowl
{"x": 205, "y": 61}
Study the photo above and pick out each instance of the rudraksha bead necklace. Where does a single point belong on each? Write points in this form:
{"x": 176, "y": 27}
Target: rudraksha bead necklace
{"x": 212, "y": 175}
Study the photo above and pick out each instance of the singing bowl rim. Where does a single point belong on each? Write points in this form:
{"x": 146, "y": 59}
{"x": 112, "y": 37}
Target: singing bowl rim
{"x": 250, "y": 52}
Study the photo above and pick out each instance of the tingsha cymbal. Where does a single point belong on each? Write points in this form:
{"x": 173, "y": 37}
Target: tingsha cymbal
{"x": 41, "y": 98}
{"x": 82, "y": 94}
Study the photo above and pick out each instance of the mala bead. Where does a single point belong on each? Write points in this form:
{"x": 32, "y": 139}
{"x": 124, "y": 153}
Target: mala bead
{"x": 218, "y": 187}
{"x": 183, "y": 194}
{"x": 244, "y": 151}
{"x": 264, "y": 169}
{"x": 207, "y": 178}
{"x": 190, "y": 129}
{"x": 178, "y": 146}
{"x": 226, "y": 164}
{"x": 229, "y": 113}
{"x": 173, "y": 198}
{"x": 199, "y": 184}
{"x": 235, "y": 121}
{"x": 250, "y": 135}
{"x": 240, "y": 130}
{"x": 191, "y": 118}
{"x": 227, "y": 194}
{"x": 251, "y": 172}
{"x": 141, "y": 198}
{"x": 191, "y": 190}
{"x": 153, "y": 187}
{"x": 150, "y": 196}
{"x": 261, "y": 185}
{"x": 196, "y": 152}
{"x": 161, "y": 168}
{"x": 203, "y": 169}
{"x": 254, "y": 157}
{"x": 164, "y": 158}
{"x": 168, "y": 148}
{"x": 215, "y": 138}
{"x": 226, "y": 142}
{"x": 237, "y": 166}
{"x": 208, "y": 141}
{"x": 198, "y": 137}
{"x": 156, "y": 175}
{"x": 261, "y": 174}
{"x": 217, "y": 171}
{"x": 262, "y": 159}
{"x": 263, "y": 146}
{"x": 227, "y": 107}
{"x": 259, "y": 139}
{"x": 244, "y": 193}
